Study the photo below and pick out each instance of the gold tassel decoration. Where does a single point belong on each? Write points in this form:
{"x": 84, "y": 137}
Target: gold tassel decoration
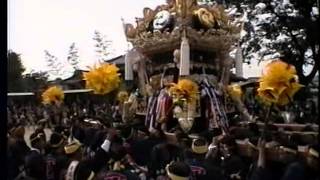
{"x": 123, "y": 96}
{"x": 184, "y": 56}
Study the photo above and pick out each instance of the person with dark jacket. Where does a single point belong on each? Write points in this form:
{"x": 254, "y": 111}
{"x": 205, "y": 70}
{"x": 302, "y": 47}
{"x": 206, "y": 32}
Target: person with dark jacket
{"x": 178, "y": 171}
{"x": 141, "y": 148}
{"x": 55, "y": 159}
{"x": 161, "y": 155}
{"x": 17, "y": 150}
{"x": 118, "y": 166}
{"x": 90, "y": 165}
{"x": 35, "y": 163}
{"x": 200, "y": 167}
{"x": 232, "y": 165}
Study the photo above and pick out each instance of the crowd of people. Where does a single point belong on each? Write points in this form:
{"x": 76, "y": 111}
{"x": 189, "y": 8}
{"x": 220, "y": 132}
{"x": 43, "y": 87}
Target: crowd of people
{"x": 31, "y": 113}
{"x": 83, "y": 146}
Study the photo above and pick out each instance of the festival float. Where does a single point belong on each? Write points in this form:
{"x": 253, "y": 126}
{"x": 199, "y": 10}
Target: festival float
{"x": 178, "y": 78}
{"x": 180, "y": 61}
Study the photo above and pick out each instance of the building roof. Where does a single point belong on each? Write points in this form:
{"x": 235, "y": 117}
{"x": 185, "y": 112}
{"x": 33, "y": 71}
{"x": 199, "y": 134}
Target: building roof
{"x": 77, "y": 75}
{"x": 119, "y": 60}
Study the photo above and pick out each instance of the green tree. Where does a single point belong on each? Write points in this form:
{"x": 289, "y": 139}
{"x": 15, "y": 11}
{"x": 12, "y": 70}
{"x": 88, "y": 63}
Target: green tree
{"x": 15, "y": 69}
{"x": 34, "y": 81}
{"x": 282, "y": 29}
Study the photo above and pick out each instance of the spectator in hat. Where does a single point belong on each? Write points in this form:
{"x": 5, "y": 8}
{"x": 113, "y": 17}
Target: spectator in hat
{"x": 37, "y": 142}
{"x": 78, "y": 133}
{"x": 110, "y": 153}
{"x": 96, "y": 140}
{"x": 200, "y": 167}
{"x": 35, "y": 163}
{"x": 55, "y": 159}
{"x": 178, "y": 171}
{"x": 95, "y": 163}
{"x": 70, "y": 171}
{"x": 213, "y": 154}
{"x": 57, "y": 143}
{"x": 142, "y": 145}
{"x": 118, "y": 164}
{"x": 41, "y": 132}
{"x": 161, "y": 155}
{"x": 231, "y": 163}
{"x": 73, "y": 151}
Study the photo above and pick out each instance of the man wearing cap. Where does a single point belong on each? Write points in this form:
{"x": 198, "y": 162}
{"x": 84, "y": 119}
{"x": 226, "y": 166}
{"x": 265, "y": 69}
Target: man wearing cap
{"x": 41, "y": 133}
{"x": 55, "y": 160}
{"x": 72, "y": 170}
{"x": 178, "y": 171}
{"x": 201, "y": 169}
{"x": 161, "y": 155}
{"x": 231, "y": 163}
{"x": 96, "y": 140}
{"x": 142, "y": 144}
{"x": 35, "y": 163}
{"x": 92, "y": 164}
{"x": 73, "y": 151}
{"x": 119, "y": 165}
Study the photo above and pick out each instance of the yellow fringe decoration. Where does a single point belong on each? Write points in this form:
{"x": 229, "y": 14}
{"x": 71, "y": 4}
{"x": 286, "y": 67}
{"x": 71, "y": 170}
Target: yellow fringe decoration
{"x": 53, "y": 95}
{"x": 185, "y": 89}
{"x": 278, "y": 83}
{"x": 102, "y": 79}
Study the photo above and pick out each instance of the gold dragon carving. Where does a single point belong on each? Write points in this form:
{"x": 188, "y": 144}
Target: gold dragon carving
{"x": 185, "y": 7}
{"x": 209, "y": 16}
